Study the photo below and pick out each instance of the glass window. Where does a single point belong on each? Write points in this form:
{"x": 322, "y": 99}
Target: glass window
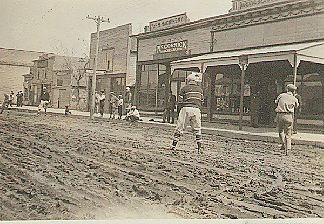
{"x": 311, "y": 92}
{"x": 152, "y": 86}
{"x": 227, "y": 93}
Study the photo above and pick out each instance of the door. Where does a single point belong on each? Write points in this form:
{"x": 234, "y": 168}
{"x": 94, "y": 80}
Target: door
{"x": 64, "y": 98}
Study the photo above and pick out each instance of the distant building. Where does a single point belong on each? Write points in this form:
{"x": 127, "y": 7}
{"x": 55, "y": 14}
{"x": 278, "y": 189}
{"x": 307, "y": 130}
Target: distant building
{"x": 13, "y": 65}
{"x": 116, "y": 60}
{"x": 281, "y": 41}
{"x": 64, "y": 77}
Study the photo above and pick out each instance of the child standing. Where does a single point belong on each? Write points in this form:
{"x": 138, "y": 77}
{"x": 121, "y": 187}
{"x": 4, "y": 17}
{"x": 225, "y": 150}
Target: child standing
{"x": 120, "y": 104}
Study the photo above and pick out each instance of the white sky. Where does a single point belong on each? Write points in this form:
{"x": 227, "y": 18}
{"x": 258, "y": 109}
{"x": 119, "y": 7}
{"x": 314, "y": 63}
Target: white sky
{"x": 54, "y": 25}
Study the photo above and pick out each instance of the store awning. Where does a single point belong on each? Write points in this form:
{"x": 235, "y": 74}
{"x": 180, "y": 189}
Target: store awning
{"x": 311, "y": 51}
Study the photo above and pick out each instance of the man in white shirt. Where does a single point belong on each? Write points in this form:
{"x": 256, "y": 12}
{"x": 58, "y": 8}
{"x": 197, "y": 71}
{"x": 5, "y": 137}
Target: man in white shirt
{"x": 286, "y": 103}
{"x": 133, "y": 114}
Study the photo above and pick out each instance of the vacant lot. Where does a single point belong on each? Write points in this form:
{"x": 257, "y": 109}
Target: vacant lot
{"x": 54, "y": 167}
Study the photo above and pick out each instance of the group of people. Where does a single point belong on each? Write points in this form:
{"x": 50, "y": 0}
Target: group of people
{"x": 9, "y": 100}
{"x": 117, "y": 105}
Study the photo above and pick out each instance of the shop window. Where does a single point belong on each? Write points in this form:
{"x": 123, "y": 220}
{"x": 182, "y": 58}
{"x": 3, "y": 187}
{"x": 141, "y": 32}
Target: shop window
{"x": 152, "y": 86}
{"x": 118, "y": 85}
{"x": 227, "y": 93}
{"x": 310, "y": 88}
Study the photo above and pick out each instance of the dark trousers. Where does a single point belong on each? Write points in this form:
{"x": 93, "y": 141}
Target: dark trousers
{"x": 296, "y": 115}
{"x": 120, "y": 111}
{"x": 131, "y": 118}
{"x": 168, "y": 115}
{"x": 101, "y": 108}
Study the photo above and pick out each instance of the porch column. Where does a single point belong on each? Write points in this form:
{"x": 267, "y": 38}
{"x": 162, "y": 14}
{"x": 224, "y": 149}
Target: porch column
{"x": 243, "y": 63}
{"x": 295, "y": 65}
{"x": 321, "y": 72}
{"x": 211, "y": 89}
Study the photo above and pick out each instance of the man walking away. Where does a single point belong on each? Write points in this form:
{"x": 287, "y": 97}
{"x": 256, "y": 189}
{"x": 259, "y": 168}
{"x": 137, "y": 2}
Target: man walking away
{"x": 297, "y": 112}
{"x": 191, "y": 98}
{"x": 102, "y": 99}
{"x": 44, "y": 101}
{"x": 128, "y": 100}
{"x": 169, "y": 110}
{"x": 286, "y": 103}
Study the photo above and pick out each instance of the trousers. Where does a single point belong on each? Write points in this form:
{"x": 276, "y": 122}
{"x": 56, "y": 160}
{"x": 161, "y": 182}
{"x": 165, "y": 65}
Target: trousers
{"x": 285, "y": 125}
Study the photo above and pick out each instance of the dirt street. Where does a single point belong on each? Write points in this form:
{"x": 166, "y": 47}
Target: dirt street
{"x": 55, "y": 167}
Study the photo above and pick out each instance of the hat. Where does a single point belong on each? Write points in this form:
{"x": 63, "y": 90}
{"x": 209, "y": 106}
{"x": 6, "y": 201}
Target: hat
{"x": 291, "y": 87}
{"x": 195, "y": 76}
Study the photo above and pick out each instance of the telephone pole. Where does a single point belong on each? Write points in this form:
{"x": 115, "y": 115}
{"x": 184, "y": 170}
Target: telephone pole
{"x": 98, "y": 21}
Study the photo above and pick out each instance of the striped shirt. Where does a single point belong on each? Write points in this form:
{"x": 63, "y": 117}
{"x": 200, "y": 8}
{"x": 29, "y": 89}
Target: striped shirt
{"x": 191, "y": 96}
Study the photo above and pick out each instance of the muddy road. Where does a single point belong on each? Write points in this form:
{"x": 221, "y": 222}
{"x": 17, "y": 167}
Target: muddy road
{"x": 56, "y": 167}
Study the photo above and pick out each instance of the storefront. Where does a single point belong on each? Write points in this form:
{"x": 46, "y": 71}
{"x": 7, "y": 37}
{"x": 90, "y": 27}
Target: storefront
{"x": 222, "y": 46}
{"x": 266, "y": 73}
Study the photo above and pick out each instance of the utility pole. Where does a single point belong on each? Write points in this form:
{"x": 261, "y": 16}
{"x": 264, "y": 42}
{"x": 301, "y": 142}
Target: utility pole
{"x": 98, "y": 21}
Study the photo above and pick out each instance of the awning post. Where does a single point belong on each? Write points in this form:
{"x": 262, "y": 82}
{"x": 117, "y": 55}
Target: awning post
{"x": 243, "y": 63}
{"x": 295, "y": 68}
{"x": 211, "y": 89}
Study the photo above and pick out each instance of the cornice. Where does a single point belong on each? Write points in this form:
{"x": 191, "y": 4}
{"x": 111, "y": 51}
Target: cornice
{"x": 269, "y": 15}
{"x": 245, "y": 18}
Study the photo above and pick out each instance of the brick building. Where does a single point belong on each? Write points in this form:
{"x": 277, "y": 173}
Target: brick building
{"x": 13, "y": 65}
{"x": 270, "y": 37}
{"x": 116, "y": 60}
{"x": 64, "y": 77}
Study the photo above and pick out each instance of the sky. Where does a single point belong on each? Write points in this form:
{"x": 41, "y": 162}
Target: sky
{"x": 60, "y": 26}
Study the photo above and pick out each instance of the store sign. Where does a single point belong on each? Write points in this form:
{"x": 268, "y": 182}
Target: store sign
{"x": 168, "y": 22}
{"x": 172, "y": 47}
{"x": 245, "y": 4}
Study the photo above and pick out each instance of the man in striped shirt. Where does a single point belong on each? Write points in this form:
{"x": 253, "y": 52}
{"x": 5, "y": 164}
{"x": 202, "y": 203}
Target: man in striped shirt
{"x": 191, "y": 98}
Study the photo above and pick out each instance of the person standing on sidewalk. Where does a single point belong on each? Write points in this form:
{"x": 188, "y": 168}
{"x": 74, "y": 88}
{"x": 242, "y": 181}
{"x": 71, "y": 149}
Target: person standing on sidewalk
{"x": 11, "y": 98}
{"x": 128, "y": 100}
{"x": 113, "y": 105}
{"x": 169, "y": 109}
{"x": 120, "y": 106}
{"x": 286, "y": 104}
{"x": 102, "y": 99}
{"x": 44, "y": 101}
{"x": 297, "y": 112}
{"x": 191, "y": 98}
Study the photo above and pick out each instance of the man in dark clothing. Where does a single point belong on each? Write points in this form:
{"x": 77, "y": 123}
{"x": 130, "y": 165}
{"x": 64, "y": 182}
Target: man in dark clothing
{"x": 169, "y": 109}
{"x": 191, "y": 97}
{"x": 44, "y": 101}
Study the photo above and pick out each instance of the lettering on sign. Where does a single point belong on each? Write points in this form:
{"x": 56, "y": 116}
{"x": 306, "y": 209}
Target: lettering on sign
{"x": 171, "y": 47}
{"x": 244, "y": 4}
{"x": 168, "y": 22}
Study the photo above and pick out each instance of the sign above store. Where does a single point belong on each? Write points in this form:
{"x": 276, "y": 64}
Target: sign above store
{"x": 168, "y": 22}
{"x": 246, "y": 4}
{"x": 172, "y": 47}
